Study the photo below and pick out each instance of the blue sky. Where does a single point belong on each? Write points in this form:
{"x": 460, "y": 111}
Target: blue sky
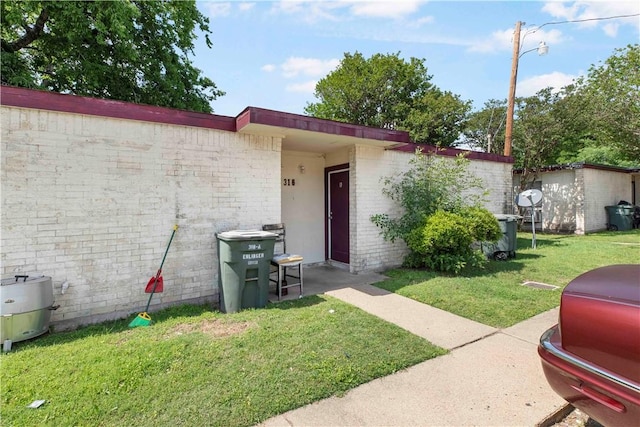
{"x": 270, "y": 54}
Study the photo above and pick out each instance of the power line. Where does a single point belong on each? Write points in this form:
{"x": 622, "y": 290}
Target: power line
{"x": 589, "y": 19}
{"x": 535, "y": 29}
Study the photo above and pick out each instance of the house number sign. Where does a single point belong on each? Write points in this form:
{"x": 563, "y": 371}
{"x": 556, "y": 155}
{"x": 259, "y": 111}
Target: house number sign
{"x": 288, "y": 182}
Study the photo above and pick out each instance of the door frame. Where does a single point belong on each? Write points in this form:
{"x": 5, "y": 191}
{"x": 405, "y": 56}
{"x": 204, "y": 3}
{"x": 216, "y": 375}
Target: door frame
{"x": 327, "y": 235}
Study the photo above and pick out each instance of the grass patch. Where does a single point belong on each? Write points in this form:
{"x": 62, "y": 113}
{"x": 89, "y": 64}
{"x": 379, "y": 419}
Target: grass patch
{"x": 495, "y": 295}
{"x": 193, "y": 366}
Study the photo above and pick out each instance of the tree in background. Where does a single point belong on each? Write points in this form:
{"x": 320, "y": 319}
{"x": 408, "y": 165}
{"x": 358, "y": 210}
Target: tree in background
{"x": 484, "y": 130}
{"x": 437, "y": 118}
{"x": 388, "y": 92}
{"x": 128, "y": 50}
{"x": 608, "y": 99}
{"x": 537, "y": 134}
{"x": 595, "y": 120}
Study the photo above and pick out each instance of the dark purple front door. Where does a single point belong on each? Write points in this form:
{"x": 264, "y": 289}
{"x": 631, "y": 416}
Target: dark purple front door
{"x": 339, "y": 216}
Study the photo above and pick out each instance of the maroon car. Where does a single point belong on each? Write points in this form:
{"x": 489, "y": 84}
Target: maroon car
{"x": 592, "y": 357}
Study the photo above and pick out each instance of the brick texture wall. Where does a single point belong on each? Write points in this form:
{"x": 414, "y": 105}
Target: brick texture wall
{"x": 92, "y": 201}
{"x": 602, "y": 188}
{"x": 574, "y": 199}
{"x": 563, "y": 201}
{"x": 369, "y": 166}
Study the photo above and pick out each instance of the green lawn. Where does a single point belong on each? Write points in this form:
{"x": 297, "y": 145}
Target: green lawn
{"x": 196, "y": 367}
{"x": 495, "y": 295}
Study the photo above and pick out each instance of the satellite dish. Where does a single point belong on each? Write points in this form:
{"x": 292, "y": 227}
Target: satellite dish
{"x": 529, "y": 198}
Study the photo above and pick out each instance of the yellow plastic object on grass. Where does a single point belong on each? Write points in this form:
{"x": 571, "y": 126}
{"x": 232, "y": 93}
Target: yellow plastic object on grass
{"x": 143, "y": 319}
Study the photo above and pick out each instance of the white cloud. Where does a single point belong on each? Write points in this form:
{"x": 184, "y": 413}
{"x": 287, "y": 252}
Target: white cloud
{"x": 307, "y": 87}
{"x": 413, "y": 25}
{"x": 268, "y": 68}
{"x": 424, "y": 20}
{"x": 308, "y": 11}
{"x": 500, "y": 41}
{"x": 611, "y": 29}
{"x": 246, "y": 6}
{"x": 555, "y": 80}
{"x": 312, "y": 11}
{"x": 217, "y": 10}
{"x": 384, "y": 9}
{"x": 585, "y": 10}
{"x": 288, "y": 6}
{"x": 294, "y": 66}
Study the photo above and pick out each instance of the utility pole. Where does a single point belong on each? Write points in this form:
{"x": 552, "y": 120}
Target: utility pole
{"x": 508, "y": 131}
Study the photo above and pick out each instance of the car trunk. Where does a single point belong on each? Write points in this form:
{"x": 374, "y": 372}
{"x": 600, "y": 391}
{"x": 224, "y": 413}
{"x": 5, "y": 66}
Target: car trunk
{"x": 597, "y": 311}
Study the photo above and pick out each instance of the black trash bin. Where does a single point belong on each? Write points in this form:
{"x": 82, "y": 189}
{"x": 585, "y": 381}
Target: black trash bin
{"x": 244, "y": 263}
{"x": 506, "y": 246}
{"x": 619, "y": 217}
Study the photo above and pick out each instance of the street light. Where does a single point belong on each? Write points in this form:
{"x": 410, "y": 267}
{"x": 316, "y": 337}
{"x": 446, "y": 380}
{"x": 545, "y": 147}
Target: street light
{"x": 542, "y": 49}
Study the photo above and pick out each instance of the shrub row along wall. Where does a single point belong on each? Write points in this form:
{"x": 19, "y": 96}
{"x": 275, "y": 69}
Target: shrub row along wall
{"x": 92, "y": 201}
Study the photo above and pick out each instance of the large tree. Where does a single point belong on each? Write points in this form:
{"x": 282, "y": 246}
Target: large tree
{"x": 537, "y": 134}
{"x": 388, "y": 92}
{"x": 129, "y": 50}
{"x": 596, "y": 119}
{"x": 609, "y": 97}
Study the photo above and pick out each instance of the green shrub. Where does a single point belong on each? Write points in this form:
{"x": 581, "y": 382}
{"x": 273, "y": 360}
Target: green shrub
{"x": 442, "y": 244}
{"x": 441, "y": 214}
{"x": 433, "y": 182}
{"x": 482, "y": 224}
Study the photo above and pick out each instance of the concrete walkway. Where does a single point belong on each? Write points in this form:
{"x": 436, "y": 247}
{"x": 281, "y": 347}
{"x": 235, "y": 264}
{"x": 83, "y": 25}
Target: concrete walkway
{"x": 491, "y": 377}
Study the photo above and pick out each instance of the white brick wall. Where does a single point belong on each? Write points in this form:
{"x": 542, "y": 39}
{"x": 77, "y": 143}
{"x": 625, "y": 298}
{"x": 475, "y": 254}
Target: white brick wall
{"x": 92, "y": 201}
{"x": 369, "y": 165}
{"x": 603, "y": 188}
{"x": 562, "y": 200}
{"x": 574, "y": 199}
{"x": 496, "y": 177}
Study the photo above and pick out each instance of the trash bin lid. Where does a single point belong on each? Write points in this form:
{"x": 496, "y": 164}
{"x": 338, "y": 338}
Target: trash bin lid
{"x": 246, "y": 235}
{"x": 507, "y": 217}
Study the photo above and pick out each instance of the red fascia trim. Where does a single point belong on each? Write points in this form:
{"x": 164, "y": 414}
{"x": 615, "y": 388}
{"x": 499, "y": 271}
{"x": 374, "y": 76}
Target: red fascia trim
{"x": 452, "y": 152}
{"x": 52, "y": 101}
{"x": 581, "y": 165}
{"x": 253, "y": 115}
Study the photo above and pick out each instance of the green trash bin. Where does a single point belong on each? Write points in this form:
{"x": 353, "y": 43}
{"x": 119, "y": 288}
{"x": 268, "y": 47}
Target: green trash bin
{"x": 506, "y": 246}
{"x": 244, "y": 263}
{"x": 619, "y": 217}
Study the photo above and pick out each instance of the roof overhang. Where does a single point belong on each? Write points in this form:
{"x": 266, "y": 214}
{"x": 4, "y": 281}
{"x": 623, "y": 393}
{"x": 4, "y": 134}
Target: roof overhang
{"x": 303, "y": 133}
{"x": 298, "y": 132}
{"x": 580, "y": 165}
